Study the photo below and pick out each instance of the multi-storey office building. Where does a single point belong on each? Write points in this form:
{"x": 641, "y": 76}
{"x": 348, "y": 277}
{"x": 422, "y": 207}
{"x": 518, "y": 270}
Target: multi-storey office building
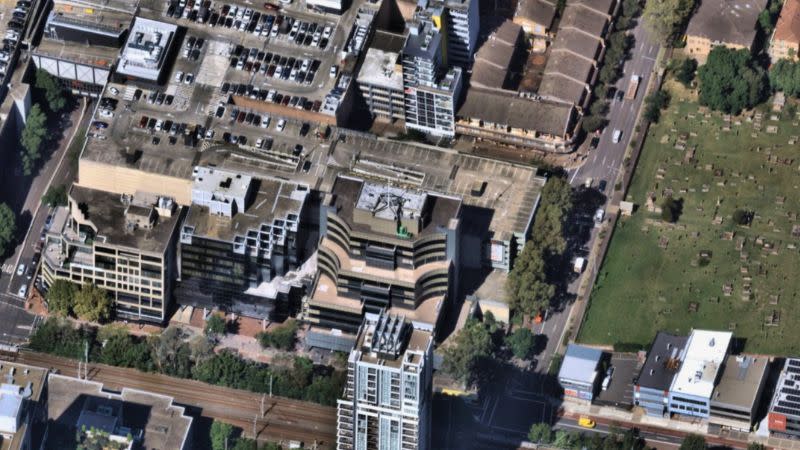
{"x": 737, "y": 395}
{"x": 459, "y": 20}
{"x": 238, "y": 236}
{"x": 651, "y": 390}
{"x": 124, "y": 244}
{"x": 691, "y": 388}
{"x": 431, "y": 90}
{"x": 784, "y": 410}
{"x": 381, "y": 76}
{"x": 383, "y": 247}
{"x": 387, "y": 398}
{"x": 579, "y": 372}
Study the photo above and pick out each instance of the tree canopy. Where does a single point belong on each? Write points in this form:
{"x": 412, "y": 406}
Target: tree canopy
{"x": 528, "y": 287}
{"x": 221, "y": 435}
{"x": 685, "y": 71}
{"x": 521, "y": 342}
{"x": 33, "y": 137}
{"x": 666, "y": 18}
{"x": 61, "y": 297}
{"x": 654, "y": 103}
{"x": 8, "y": 227}
{"x": 693, "y": 442}
{"x": 55, "y": 196}
{"x": 730, "y": 81}
{"x": 92, "y": 303}
{"x": 282, "y": 337}
{"x": 472, "y": 345}
{"x": 215, "y": 325}
{"x": 784, "y": 76}
{"x": 54, "y": 93}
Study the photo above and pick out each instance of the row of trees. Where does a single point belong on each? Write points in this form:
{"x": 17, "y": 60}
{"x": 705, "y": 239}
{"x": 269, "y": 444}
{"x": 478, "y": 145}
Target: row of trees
{"x": 173, "y": 353}
{"x": 617, "y": 46}
{"x": 542, "y": 433}
{"x": 87, "y": 302}
{"x": 35, "y": 134}
{"x": 666, "y": 19}
{"x": 529, "y": 285}
{"x": 8, "y": 227}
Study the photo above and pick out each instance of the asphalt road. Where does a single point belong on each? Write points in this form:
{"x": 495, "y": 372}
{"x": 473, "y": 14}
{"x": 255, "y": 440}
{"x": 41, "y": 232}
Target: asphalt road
{"x": 506, "y": 414}
{"x": 283, "y": 419}
{"x": 605, "y": 162}
{"x": 17, "y": 323}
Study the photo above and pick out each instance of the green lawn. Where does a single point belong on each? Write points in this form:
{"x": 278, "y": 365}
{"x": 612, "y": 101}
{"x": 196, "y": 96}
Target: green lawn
{"x": 643, "y": 288}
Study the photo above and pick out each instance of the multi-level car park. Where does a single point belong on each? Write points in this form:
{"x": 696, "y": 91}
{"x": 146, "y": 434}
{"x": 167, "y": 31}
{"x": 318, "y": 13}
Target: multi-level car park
{"x": 15, "y": 26}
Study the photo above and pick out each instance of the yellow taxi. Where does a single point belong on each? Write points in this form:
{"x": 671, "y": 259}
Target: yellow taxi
{"x": 586, "y": 422}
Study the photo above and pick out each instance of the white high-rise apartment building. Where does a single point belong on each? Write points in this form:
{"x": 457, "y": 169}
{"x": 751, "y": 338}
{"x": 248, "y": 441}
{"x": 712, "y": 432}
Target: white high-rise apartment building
{"x": 387, "y": 399}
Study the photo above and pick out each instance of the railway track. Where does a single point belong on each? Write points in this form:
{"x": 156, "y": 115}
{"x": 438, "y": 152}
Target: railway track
{"x": 284, "y": 419}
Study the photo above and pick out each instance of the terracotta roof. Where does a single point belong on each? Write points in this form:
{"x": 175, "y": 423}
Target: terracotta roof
{"x": 727, "y": 21}
{"x": 788, "y": 27}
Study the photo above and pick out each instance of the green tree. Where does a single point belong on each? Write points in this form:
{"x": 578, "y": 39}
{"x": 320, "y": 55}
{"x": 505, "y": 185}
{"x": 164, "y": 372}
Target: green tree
{"x": 590, "y": 123}
{"x": 528, "y": 289}
{"x": 271, "y": 446}
{"x": 730, "y": 81}
{"x": 693, "y": 442}
{"x": 126, "y": 351}
{"x": 54, "y": 93}
{"x": 170, "y": 354}
{"x": 55, "y": 196}
{"x": 8, "y": 227}
{"x": 61, "y": 297}
{"x": 521, "y": 342}
{"x": 666, "y": 18}
{"x": 215, "y": 325}
{"x": 671, "y": 210}
{"x": 221, "y": 435}
{"x": 767, "y": 17}
{"x": 654, "y": 103}
{"x": 685, "y": 71}
{"x": 540, "y": 433}
{"x": 471, "y": 346}
{"x": 33, "y": 137}
{"x": 282, "y": 337}
{"x": 756, "y": 446}
{"x": 92, "y": 303}
{"x": 554, "y": 206}
{"x": 244, "y": 444}
{"x": 784, "y": 76}
{"x": 742, "y": 217}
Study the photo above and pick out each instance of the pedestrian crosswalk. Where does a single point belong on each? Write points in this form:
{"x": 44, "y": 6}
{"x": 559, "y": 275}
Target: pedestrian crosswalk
{"x": 8, "y": 268}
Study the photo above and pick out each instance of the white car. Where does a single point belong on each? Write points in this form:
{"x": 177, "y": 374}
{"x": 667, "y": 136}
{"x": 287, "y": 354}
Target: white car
{"x": 106, "y": 113}
{"x": 259, "y": 142}
{"x": 209, "y": 134}
{"x": 598, "y": 216}
{"x": 20, "y": 270}
{"x": 334, "y": 71}
{"x": 616, "y": 136}
{"x": 23, "y": 290}
{"x": 179, "y": 76}
{"x": 326, "y": 33}
{"x": 281, "y": 125}
{"x": 114, "y": 90}
{"x": 265, "y": 122}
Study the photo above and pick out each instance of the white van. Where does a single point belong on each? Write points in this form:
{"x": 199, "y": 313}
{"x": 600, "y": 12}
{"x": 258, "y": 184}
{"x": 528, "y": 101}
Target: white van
{"x": 616, "y": 136}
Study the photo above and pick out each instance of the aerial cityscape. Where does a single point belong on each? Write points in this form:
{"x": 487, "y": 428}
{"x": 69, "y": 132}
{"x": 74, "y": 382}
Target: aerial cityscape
{"x": 399, "y": 224}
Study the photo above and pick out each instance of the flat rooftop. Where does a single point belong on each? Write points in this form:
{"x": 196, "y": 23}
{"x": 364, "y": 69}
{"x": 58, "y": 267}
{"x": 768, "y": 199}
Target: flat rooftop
{"x": 164, "y": 425}
{"x": 391, "y": 341}
{"x": 786, "y": 400}
{"x": 112, "y": 17}
{"x": 580, "y": 364}
{"x": 15, "y": 379}
{"x": 145, "y": 53}
{"x": 107, "y": 213}
{"x": 94, "y": 55}
{"x": 509, "y": 190}
{"x": 741, "y": 381}
{"x": 704, "y": 355}
{"x": 663, "y": 361}
{"x": 387, "y": 202}
{"x": 381, "y": 68}
{"x": 275, "y": 202}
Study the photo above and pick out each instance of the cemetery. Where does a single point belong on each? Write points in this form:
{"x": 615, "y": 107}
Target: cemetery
{"x": 724, "y": 254}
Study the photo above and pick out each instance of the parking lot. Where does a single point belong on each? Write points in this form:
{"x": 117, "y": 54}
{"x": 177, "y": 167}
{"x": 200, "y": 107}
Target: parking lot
{"x": 14, "y": 14}
{"x": 619, "y": 391}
